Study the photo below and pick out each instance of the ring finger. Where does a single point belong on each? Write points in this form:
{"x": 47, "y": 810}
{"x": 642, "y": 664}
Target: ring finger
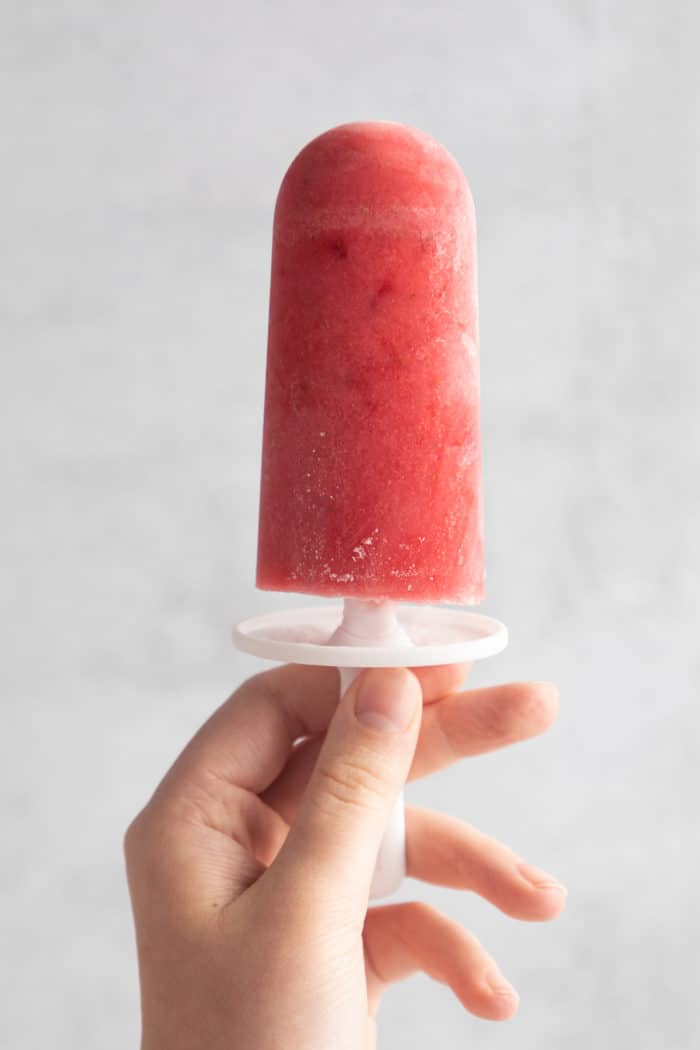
{"x": 447, "y": 852}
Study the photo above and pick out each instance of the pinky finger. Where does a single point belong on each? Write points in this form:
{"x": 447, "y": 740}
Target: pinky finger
{"x": 400, "y": 939}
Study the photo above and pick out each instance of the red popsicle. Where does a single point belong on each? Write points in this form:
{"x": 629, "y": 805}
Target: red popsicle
{"x": 371, "y": 474}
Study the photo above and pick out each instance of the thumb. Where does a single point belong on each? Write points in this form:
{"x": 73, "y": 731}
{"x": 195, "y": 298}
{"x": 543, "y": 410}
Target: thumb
{"x": 359, "y": 773}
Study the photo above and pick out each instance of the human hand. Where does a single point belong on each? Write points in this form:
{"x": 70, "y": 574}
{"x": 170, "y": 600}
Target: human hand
{"x": 250, "y": 867}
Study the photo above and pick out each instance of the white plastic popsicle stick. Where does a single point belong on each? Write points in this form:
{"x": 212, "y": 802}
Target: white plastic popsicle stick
{"x": 360, "y": 634}
{"x": 374, "y": 624}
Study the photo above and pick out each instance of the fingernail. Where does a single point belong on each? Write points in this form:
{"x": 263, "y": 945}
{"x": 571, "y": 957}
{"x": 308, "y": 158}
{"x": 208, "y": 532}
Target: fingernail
{"x": 386, "y": 701}
{"x": 541, "y": 880}
{"x": 500, "y": 986}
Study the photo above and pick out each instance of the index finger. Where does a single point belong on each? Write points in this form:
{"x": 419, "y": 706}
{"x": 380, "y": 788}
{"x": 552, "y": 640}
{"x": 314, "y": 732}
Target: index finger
{"x": 249, "y": 739}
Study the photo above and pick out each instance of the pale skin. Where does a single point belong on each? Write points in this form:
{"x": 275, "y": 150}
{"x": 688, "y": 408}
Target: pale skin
{"x": 250, "y": 867}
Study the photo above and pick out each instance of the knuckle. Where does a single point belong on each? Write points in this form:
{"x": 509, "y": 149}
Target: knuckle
{"x": 132, "y": 834}
{"x": 460, "y": 863}
{"x": 352, "y": 781}
{"x": 132, "y": 843}
{"x": 142, "y": 837}
{"x": 141, "y": 828}
{"x": 498, "y": 720}
{"x": 452, "y": 750}
{"x": 423, "y": 912}
{"x": 264, "y": 682}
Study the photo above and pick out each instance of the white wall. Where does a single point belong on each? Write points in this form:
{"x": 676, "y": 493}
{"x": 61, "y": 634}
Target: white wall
{"x": 142, "y": 144}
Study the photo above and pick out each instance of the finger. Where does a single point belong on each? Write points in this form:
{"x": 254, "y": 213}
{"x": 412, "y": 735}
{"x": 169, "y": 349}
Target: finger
{"x": 248, "y": 741}
{"x": 212, "y": 788}
{"x": 400, "y": 939}
{"x": 187, "y": 861}
{"x": 445, "y": 851}
{"x": 453, "y": 727}
{"x": 332, "y": 847}
{"x": 286, "y": 793}
{"x": 437, "y": 682}
{"x": 481, "y": 720}
{"x": 205, "y": 835}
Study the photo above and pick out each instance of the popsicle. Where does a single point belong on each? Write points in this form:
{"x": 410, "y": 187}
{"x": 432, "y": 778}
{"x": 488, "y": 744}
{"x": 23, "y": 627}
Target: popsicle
{"x": 371, "y": 473}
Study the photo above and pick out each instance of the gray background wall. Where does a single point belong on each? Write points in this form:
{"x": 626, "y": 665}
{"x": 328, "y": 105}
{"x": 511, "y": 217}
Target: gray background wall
{"x": 142, "y": 145}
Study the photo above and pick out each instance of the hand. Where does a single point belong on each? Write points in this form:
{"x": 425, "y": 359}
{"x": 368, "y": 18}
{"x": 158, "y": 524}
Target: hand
{"x": 250, "y": 867}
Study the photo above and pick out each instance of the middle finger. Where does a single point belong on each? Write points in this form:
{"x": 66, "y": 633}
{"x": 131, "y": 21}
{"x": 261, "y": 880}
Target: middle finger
{"x": 453, "y": 727}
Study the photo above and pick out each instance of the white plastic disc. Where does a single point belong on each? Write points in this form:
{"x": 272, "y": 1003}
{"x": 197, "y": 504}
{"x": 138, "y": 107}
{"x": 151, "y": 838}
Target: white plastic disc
{"x": 440, "y": 635}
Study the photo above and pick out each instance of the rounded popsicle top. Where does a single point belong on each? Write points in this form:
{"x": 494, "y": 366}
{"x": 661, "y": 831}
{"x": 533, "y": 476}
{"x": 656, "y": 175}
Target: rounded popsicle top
{"x": 375, "y": 173}
{"x": 371, "y": 472}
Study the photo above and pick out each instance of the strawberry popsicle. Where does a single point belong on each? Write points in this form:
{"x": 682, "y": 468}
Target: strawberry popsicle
{"x": 371, "y": 474}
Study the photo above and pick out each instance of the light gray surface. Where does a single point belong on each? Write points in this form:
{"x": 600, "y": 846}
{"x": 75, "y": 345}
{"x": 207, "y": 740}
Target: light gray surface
{"x": 142, "y": 144}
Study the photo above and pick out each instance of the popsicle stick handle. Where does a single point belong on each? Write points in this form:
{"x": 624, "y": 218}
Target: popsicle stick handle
{"x": 390, "y": 869}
